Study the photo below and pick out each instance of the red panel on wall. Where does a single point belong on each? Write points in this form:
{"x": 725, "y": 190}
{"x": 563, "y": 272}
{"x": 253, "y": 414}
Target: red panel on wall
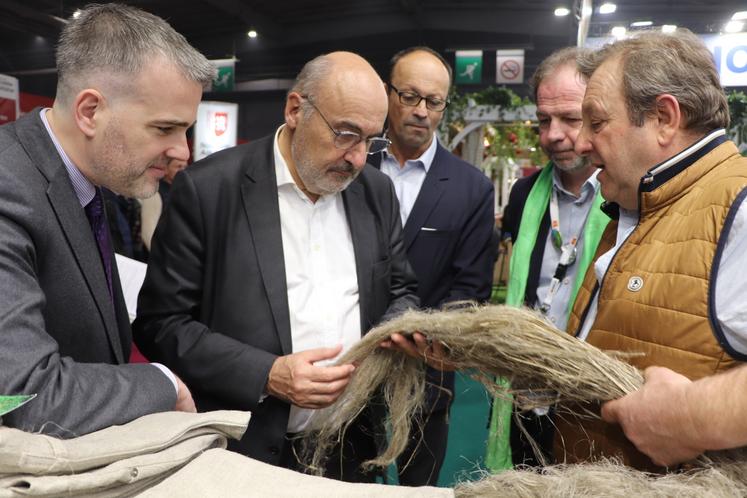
{"x": 29, "y": 101}
{"x": 7, "y": 110}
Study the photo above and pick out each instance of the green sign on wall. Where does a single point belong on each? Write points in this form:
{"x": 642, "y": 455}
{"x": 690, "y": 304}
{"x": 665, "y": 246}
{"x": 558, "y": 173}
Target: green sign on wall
{"x": 468, "y": 67}
{"x": 224, "y": 80}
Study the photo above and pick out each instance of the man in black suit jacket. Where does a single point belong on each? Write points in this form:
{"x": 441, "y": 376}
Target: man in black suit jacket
{"x": 233, "y": 253}
{"x": 447, "y": 209}
{"x": 122, "y": 109}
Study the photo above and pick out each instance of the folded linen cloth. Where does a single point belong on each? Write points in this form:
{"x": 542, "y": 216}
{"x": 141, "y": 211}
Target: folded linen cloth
{"x": 226, "y": 474}
{"x": 116, "y": 461}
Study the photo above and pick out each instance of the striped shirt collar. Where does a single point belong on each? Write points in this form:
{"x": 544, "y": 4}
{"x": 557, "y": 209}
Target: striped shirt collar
{"x": 84, "y": 189}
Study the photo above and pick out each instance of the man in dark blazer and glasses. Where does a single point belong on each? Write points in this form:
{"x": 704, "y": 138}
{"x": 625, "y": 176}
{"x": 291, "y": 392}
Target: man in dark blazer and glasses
{"x": 274, "y": 257}
{"x": 446, "y": 207}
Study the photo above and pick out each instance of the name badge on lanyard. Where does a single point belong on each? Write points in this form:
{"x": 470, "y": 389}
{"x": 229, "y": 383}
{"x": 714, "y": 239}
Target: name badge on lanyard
{"x": 567, "y": 253}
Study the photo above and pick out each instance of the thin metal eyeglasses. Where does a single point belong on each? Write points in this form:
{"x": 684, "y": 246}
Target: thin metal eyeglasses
{"x": 345, "y": 139}
{"x": 413, "y": 99}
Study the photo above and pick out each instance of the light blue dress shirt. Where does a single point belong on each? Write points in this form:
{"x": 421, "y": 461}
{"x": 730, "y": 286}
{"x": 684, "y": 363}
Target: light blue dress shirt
{"x": 409, "y": 178}
{"x": 572, "y": 213}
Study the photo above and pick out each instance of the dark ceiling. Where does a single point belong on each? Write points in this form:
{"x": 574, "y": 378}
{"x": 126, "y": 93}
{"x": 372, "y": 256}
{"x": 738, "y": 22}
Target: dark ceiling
{"x": 293, "y": 31}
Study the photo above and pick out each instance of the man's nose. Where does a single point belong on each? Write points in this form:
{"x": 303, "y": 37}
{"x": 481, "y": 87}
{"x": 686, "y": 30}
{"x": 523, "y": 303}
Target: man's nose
{"x": 582, "y": 147}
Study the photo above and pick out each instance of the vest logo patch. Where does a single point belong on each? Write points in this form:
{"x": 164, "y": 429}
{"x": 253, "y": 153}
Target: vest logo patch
{"x": 635, "y": 283}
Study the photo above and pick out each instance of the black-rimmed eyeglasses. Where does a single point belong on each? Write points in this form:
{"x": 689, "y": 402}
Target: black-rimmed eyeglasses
{"x": 345, "y": 139}
{"x": 413, "y": 99}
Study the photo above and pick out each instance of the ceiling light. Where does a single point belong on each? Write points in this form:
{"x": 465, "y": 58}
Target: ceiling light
{"x": 739, "y": 16}
{"x": 562, "y": 11}
{"x": 669, "y": 28}
{"x": 251, "y": 33}
{"x": 607, "y": 8}
{"x": 76, "y": 14}
{"x": 618, "y": 32}
{"x": 640, "y": 24}
{"x": 734, "y": 27}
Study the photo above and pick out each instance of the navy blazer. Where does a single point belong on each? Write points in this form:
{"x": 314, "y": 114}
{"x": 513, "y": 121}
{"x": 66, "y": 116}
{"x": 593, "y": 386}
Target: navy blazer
{"x": 450, "y": 237}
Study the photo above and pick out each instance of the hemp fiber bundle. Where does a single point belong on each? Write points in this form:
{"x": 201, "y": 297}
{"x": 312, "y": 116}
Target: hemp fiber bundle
{"x": 723, "y": 479}
{"x": 548, "y": 365}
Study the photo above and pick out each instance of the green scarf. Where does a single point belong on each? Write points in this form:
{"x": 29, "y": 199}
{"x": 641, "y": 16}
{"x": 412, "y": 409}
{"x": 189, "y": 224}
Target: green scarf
{"x": 498, "y": 456}
{"x": 534, "y": 211}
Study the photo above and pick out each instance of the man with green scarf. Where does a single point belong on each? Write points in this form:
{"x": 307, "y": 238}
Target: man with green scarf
{"x": 554, "y": 221}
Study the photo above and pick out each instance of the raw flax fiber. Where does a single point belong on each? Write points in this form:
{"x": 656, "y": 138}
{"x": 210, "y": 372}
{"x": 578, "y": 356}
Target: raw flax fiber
{"x": 544, "y": 365}
{"x": 723, "y": 477}
{"x": 487, "y": 341}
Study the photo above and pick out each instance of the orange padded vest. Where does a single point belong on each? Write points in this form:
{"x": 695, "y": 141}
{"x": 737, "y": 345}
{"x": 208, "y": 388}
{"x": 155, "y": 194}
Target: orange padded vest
{"x": 657, "y": 295}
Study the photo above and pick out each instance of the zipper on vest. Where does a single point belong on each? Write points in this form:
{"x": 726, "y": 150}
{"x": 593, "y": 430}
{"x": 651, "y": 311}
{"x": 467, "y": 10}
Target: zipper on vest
{"x": 582, "y": 319}
{"x": 599, "y": 285}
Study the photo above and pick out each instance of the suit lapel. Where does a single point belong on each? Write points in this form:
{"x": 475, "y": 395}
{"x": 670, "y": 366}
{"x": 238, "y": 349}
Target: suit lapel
{"x": 260, "y": 198}
{"x": 72, "y": 220}
{"x": 433, "y": 187}
{"x": 363, "y": 233}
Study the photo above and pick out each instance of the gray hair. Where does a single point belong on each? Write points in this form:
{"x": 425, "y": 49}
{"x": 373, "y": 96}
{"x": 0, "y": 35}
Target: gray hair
{"x": 563, "y": 57}
{"x": 310, "y": 78}
{"x": 678, "y": 64}
{"x": 119, "y": 39}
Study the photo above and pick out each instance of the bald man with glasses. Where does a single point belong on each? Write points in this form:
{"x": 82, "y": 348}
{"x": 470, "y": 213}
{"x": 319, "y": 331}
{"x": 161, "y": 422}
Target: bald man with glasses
{"x": 274, "y": 257}
{"x": 447, "y": 210}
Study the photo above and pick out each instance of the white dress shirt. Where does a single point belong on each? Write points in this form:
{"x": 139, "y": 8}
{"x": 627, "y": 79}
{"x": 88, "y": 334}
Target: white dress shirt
{"x": 320, "y": 272}
{"x": 409, "y": 178}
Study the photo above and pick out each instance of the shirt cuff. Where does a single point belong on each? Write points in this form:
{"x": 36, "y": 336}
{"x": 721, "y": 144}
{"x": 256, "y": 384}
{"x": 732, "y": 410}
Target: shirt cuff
{"x": 168, "y": 373}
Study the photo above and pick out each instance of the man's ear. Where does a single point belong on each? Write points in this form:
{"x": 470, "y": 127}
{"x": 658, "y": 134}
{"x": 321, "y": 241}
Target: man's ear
{"x": 668, "y": 118}
{"x": 293, "y": 109}
{"x": 88, "y": 108}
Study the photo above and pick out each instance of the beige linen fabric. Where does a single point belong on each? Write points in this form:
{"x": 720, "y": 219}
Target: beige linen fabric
{"x": 122, "y": 478}
{"x": 150, "y": 212}
{"x": 226, "y": 474}
{"x": 116, "y": 461}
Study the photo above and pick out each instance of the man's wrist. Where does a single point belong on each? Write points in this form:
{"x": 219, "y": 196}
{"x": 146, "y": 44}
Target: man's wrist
{"x": 168, "y": 373}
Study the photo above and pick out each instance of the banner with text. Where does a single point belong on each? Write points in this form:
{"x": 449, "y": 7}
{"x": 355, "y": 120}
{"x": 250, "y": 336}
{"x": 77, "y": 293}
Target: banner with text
{"x": 509, "y": 67}
{"x": 730, "y": 55}
{"x": 468, "y": 67}
{"x": 216, "y": 128}
{"x": 10, "y": 99}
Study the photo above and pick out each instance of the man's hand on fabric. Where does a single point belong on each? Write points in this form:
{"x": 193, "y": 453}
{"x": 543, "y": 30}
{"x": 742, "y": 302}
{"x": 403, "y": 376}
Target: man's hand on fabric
{"x": 296, "y": 379}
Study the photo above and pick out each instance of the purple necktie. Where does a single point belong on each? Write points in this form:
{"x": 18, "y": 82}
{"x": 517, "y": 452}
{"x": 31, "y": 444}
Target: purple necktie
{"x": 95, "y": 212}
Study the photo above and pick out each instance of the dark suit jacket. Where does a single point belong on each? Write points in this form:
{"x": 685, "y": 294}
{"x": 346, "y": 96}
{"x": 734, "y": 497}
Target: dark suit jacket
{"x": 510, "y": 229}
{"x": 454, "y": 261}
{"x": 59, "y": 333}
{"x": 214, "y": 305}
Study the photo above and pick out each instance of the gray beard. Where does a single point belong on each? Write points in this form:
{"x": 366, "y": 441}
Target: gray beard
{"x": 580, "y": 163}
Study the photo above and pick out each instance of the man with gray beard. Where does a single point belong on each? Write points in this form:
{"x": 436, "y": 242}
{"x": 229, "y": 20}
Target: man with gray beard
{"x": 274, "y": 257}
{"x": 554, "y": 221}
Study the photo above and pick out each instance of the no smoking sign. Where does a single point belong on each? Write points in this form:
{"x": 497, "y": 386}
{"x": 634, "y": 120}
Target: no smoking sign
{"x": 510, "y": 69}
{"x": 509, "y": 66}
